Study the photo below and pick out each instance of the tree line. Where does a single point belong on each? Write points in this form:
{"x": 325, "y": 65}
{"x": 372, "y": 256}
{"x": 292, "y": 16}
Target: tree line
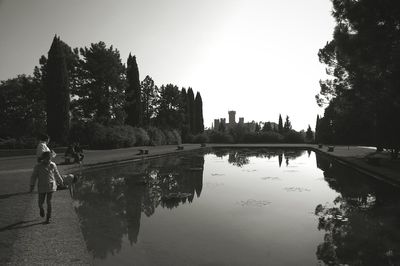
{"x": 362, "y": 98}
{"x": 261, "y": 132}
{"x": 72, "y": 89}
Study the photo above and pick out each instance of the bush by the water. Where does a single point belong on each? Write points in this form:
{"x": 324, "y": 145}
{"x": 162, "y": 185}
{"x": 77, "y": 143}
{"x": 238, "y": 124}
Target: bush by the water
{"x": 18, "y": 143}
{"x": 263, "y": 137}
{"x": 220, "y": 137}
{"x": 98, "y": 136}
{"x": 198, "y": 138}
{"x": 238, "y": 135}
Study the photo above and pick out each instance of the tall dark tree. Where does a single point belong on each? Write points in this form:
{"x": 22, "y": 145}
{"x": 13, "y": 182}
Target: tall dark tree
{"x": 288, "y": 125}
{"x": 185, "y": 128}
{"x": 150, "y": 96}
{"x": 133, "y": 94}
{"x": 190, "y": 109}
{"x": 280, "y": 124}
{"x": 364, "y": 60}
{"x": 317, "y": 140}
{"x": 267, "y": 127}
{"x": 57, "y": 93}
{"x": 198, "y": 114}
{"x": 309, "y": 134}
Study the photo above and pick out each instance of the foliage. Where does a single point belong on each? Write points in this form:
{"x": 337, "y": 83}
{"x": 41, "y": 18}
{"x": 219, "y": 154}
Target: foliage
{"x": 309, "y": 134}
{"x": 103, "y": 137}
{"x": 56, "y": 87}
{"x": 101, "y": 83}
{"x": 198, "y": 115}
{"x": 156, "y": 136}
{"x": 21, "y": 107}
{"x": 288, "y": 125}
{"x": 172, "y": 136}
{"x": 364, "y": 61}
{"x": 133, "y": 93}
{"x": 293, "y": 137}
{"x": 141, "y": 136}
{"x": 150, "y": 97}
{"x": 280, "y": 124}
{"x": 220, "y": 137}
{"x": 169, "y": 113}
{"x": 263, "y": 137}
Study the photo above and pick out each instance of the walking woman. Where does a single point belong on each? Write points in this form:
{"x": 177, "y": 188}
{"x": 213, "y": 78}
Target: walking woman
{"x": 46, "y": 173}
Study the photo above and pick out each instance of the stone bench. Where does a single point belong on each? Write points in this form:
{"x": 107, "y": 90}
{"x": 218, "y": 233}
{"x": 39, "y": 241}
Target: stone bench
{"x": 143, "y": 151}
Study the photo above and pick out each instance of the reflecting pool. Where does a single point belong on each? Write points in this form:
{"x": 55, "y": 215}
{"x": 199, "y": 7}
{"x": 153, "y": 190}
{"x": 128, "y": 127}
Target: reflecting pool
{"x": 238, "y": 207}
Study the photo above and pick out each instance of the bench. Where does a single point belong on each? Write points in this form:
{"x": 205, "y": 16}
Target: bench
{"x": 202, "y": 145}
{"x": 319, "y": 146}
{"x": 331, "y": 148}
{"x": 143, "y": 151}
{"x": 179, "y": 147}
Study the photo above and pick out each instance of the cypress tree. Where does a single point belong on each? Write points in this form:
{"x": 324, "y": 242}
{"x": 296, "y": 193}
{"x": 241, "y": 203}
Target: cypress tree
{"x": 133, "y": 94}
{"x": 190, "y": 109}
{"x": 57, "y": 93}
{"x": 185, "y": 127}
{"x": 287, "y": 126}
{"x": 317, "y": 130}
{"x": 280, "y": 124}
{"x": 309, "y": 134}
{"x": 198, "y": 114}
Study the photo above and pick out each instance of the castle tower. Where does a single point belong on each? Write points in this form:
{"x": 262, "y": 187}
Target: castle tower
{"x": 241, "y": 120}
{"x": 216, "y": 124}
{"x": 232, "y": 117}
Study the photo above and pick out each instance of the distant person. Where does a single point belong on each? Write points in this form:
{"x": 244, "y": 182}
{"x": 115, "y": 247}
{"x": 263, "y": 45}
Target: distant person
{"x": 79, "y": 151}
{"x": 76, "y": 152}
{"x": 42, "y": 146}
{"x": 46, "y": 173}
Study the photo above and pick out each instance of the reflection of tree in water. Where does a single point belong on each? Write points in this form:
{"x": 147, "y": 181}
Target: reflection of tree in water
{"x": 241, "y": 156}
{"x": 363, "y": 225}
{"x": 110, "y": 201}
{"x": 238, "y": 158}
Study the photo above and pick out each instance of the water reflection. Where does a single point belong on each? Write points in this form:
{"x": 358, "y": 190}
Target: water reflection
{"x": 362, "y": 225}
{"x": 110, "y": 201}
{"x": 240, "y": 157}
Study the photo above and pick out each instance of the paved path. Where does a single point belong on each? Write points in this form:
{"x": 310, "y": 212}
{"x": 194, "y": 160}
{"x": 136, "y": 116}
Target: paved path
{"x": 25, "y": 240}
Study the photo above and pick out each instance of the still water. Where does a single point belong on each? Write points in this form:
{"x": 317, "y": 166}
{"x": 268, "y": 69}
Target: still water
{"x": 238, "y": 207}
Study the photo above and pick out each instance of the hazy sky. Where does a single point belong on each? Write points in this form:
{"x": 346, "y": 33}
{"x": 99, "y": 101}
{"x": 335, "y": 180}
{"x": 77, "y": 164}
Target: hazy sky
{"x": 258, "y": 57}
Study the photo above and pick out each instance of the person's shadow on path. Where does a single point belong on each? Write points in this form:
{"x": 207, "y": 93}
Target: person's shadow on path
{"x": 21, "y": 225}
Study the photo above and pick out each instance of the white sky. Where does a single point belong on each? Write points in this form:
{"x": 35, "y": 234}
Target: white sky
{"x": 258, "y": 57}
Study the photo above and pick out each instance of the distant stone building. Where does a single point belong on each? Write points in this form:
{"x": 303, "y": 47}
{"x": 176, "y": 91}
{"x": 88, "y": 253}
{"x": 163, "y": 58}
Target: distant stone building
{"x": 221, "y": 123}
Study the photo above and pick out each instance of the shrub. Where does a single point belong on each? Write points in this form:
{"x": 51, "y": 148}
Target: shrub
{"x": 102, "y": 137}
{"x": 199, "y": 138}
{"x": 263, "y": 137}
{"x": 20, "y": 143}
{"x": 294, "y": 137}
{"x": 172, "y": 136}
{"x": 142, "y": 138}
{"x": 156, "y": 136}
{"x": 220, "y": 137}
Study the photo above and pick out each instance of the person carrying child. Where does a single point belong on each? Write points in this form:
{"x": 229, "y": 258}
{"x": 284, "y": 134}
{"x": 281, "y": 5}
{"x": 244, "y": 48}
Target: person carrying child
{"x": 46, "y": 173}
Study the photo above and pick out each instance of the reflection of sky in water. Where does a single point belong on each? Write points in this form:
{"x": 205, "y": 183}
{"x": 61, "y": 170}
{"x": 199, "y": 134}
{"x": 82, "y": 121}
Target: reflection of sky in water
{"x": 239, "y": 207}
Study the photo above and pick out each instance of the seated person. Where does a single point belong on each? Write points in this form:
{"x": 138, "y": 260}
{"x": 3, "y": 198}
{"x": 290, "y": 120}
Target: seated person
{"x": 79, "y": 151}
